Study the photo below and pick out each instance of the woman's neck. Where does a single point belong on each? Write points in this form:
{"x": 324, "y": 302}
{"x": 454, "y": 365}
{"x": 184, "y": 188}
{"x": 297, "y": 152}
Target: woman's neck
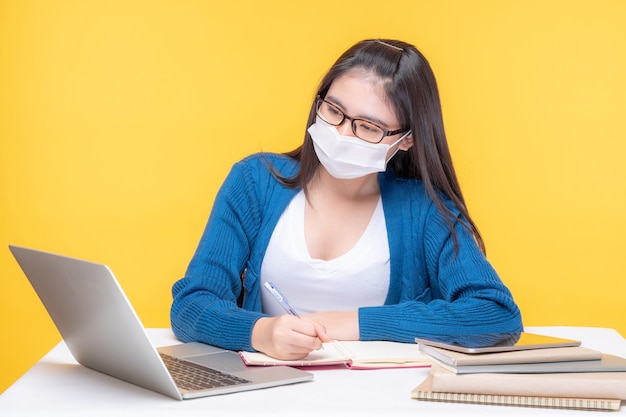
{"x": 362, "y": 188}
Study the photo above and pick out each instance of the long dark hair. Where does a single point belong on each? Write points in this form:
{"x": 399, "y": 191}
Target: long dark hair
{"x": 411, "y": 88}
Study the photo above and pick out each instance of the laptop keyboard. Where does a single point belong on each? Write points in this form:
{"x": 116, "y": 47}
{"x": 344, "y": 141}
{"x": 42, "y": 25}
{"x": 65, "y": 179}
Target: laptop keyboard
{"x": 193, "y": 377}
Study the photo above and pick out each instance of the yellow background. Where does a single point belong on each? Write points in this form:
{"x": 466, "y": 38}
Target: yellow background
{"x": 119, "y": 120}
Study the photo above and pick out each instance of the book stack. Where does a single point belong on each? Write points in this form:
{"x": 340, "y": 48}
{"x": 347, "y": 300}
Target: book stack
{"x": 562, "y": 377}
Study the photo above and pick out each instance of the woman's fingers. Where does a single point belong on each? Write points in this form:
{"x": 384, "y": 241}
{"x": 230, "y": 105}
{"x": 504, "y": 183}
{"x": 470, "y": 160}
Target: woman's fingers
{"x": 287, "y": 337}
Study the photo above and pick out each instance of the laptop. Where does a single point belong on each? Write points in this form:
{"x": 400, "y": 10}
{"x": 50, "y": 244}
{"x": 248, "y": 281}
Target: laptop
{"x": 103, "y": 332}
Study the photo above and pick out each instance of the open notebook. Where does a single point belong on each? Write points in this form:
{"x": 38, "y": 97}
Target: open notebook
{"x": 353, "y": 354}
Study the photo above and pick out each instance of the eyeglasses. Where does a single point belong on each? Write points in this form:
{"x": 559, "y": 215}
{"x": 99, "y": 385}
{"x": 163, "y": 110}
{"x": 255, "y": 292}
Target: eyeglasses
{"x": 363, "y": 129}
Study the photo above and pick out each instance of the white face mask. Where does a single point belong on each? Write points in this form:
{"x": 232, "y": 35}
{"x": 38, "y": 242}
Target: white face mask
{"x": 347, "y": 157}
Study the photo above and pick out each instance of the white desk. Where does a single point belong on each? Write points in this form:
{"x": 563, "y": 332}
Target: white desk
{"x": 57, "y": 385}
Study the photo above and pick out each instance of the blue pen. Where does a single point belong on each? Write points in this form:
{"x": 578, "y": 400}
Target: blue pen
{"x": 282, "y": 300}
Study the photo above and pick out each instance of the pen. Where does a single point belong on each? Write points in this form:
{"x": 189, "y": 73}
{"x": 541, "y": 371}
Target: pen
{"x": 282, "y": 300}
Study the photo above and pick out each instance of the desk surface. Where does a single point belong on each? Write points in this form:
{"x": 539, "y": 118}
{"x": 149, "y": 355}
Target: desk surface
{"x": 57, "y": 385}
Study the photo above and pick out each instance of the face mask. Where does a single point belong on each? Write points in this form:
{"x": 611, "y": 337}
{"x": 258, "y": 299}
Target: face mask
{"x": 347, "y": 157}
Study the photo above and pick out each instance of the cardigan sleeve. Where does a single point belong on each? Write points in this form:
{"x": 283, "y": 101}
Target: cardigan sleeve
{"x": 462, "y": 293}
{"x": 204, "y": 306}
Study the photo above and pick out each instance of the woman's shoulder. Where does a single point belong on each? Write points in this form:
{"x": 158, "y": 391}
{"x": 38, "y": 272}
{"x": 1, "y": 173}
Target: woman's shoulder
{"x": 398, "y": 186}
{"x": 267, "y": 163}
{"x": 411, "y": 191}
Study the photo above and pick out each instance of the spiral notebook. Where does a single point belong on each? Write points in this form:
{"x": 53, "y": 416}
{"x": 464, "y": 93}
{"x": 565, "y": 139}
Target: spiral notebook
{"x": 583, "y": 391}
{"x": 424, "y": 392}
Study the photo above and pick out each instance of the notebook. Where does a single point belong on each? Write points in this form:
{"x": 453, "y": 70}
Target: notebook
{"x": 607, "y": 385}
{"x": 424, "y": 392}
{"x": 561, "y": 354}
{"x": 607, "y": 363}
{"x": 496, "y": 342}
{"x": 355, "y": 354}
{"x": 103, "y": 332}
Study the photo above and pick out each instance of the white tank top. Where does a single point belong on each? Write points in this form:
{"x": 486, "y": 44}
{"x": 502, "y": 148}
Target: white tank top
{"x": 356, "y": 279}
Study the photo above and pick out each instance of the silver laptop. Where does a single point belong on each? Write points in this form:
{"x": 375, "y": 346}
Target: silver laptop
{"x": 103, "y": 332}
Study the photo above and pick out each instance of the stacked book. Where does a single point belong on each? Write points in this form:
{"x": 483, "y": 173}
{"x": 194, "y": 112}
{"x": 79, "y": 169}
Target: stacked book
{"x": 571, "y": 377}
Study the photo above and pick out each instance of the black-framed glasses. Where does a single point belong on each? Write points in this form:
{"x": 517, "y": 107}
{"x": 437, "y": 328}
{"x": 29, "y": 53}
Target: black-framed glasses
{"x": 362, "y": 129}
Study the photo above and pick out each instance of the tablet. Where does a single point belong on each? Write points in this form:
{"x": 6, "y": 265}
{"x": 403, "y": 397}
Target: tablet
{"x": 496, "y": 342}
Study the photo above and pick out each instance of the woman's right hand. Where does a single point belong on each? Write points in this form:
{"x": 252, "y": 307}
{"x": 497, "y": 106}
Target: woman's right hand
{"x": 287, "y": 337}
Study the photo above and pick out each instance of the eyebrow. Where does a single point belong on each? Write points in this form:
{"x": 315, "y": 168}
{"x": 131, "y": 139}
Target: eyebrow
{"x": 368, "y": 118}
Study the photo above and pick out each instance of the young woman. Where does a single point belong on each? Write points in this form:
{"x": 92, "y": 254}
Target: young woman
{"x": 363, "y": 227}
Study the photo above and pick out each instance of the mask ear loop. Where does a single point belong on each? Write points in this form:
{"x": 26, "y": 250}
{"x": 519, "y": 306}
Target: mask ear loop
{"x": 398, "y": 148}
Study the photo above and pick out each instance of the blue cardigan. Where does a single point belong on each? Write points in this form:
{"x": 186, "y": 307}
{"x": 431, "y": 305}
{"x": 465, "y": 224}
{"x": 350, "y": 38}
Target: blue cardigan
{"x": 433, "y": 290}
